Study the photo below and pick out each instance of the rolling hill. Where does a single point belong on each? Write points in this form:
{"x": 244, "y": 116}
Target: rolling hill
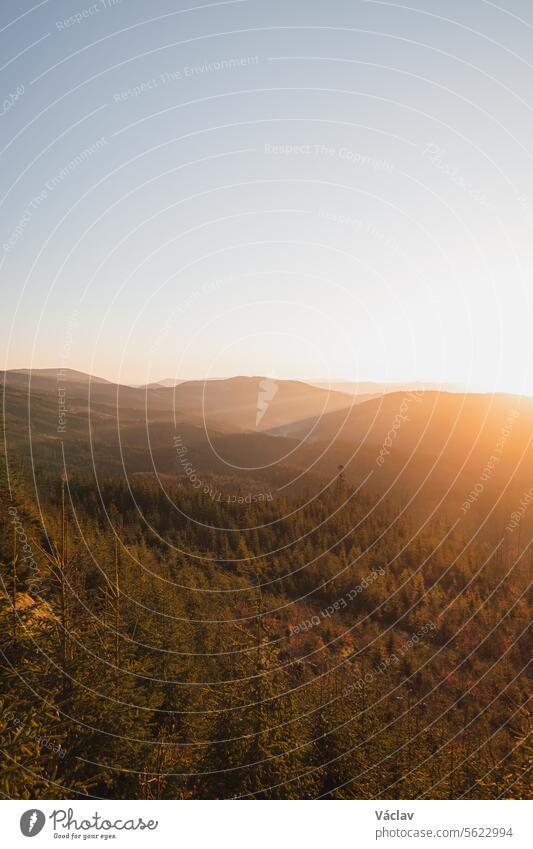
{"x": 429, "y": 439}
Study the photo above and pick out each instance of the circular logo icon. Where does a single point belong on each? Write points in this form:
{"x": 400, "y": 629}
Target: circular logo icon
{"x": 32, "y": 822}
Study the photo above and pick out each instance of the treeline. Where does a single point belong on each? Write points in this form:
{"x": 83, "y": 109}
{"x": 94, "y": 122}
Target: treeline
{"x": 337, "y": 650}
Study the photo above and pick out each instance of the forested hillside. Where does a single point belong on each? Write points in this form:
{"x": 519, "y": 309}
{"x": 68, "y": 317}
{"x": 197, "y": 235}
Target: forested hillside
{"x": 161, "y": 640}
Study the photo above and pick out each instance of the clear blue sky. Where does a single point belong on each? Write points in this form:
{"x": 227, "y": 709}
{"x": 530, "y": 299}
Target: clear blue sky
{"x": 339, "y": 189}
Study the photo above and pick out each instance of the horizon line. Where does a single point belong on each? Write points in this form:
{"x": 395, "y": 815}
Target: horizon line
{"x": 426, "y": 384}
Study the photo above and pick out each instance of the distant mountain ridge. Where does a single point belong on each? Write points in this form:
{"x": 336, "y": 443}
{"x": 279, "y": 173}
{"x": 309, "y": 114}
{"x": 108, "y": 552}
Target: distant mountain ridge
{"x": 235, "y": 404}
{"x": 372, "y": 389}
{"x": 303, "y": 431}
{"x": 64, "y": 374}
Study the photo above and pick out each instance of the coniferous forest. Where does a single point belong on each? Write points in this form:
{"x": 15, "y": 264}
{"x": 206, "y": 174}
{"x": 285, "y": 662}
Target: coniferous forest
{"x": 163, "y": 640}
